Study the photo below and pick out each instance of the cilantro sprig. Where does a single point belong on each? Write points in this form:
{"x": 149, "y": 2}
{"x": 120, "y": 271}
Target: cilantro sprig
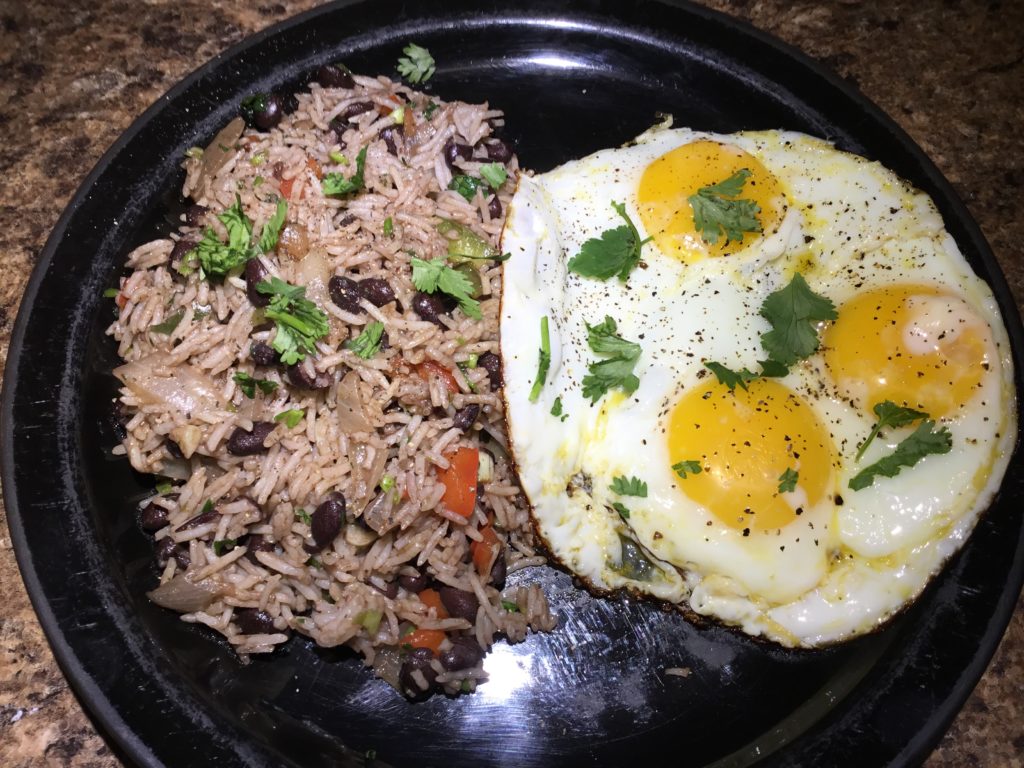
{"x": 367, "y": 343}
{"x": 794, "y": 312}
{"x": 926, "y": 440}
{"x": 787, "y": 480}
{"x": 417, "y": 66}
{"x": 300, "y": 323}
{"x": 335, "y": 184}
{"x": 248, "y": 384}
{"x": 629, "y": 486}
{"x": 686, "y": 468}
{"x": 622, "y": 509}
{"x": 889, "y": 415}
{"x": 615, "y": 252}
{"x": 217, "y": 258}
{"x": 543, "y": 360}
{"x": 617, "y": 369}
{"x": 718, "y": 208}
{"x": 435, "y": 275}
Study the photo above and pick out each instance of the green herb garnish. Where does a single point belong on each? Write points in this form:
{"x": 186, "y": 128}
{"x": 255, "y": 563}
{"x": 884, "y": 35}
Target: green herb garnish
{"x": 217, "y": 259}
{"x": 167, "y": 326}
{"x": 925, "y": 441}
{"x": 543, "y": 360}
{"x": 494, "y": 174}
{"x": 366, "y": 344}
{"x": 622, "y": 509}
{"x": 617, "y": 369}
{"x": 629, "y": 486}
{"x": 717, "y": 208}
{"x": 224, "y": 545}
{"x": 794, "y": 312}
{"x": 731, "y": 378}
{"x": 417, "y": 66}
{"x": 291, "y": 417}
{"x": 304, "y": 516}
{"x": 889, "y": 415}
{"x": 299, "y": 321}
{"x": 615, "y": 252}
{"x": 688, "y": 467}
{"x": 509, "y": 606}
{"x": 389, "y": 227}
{"x": 335, "y": 184}
{"x": 787, "y": 480}
{"x": 556, "y": 409}
{"x": 466, "y": 185}
{"x": 435, "y": 275}
{"x": 248, "y": 384}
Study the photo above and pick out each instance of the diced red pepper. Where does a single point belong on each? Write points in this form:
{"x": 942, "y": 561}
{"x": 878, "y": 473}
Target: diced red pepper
{"x": 429, "y": 368}
{"x": 432, "y": 599}
{"x": 460, "y": 481}
{"x": 425, "y": 638}
{"x": 485, "y": 552}
{"x": 286, "y": 188}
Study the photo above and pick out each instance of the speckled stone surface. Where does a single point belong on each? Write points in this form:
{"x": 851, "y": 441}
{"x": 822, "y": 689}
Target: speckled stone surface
{"x": 75, "y": 75}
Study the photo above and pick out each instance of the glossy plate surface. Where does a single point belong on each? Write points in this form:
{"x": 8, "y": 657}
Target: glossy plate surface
{"x": 572, "y": 77}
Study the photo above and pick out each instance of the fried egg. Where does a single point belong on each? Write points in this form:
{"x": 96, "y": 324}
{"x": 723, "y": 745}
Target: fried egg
{"x": 716, "y": 531}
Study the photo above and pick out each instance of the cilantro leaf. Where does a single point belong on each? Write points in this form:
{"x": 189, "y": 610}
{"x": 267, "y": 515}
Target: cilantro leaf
{"x": 793, "y": 312}
{"x": 435, "y": 275}
{"x": 509, "y": 606}
{"x": 556, "y": 409}
{"x": 304, "y": 516}
{"x": 629, "y": 486}
{"x": 224, "y": 545}
{"x": 717, "y": 208}
{"x": 217, "y": 258}
{"x": 335, "y": 184}
{"x": 291, "y": 417}
{"x": 543, "y": 360}
{"x": 731, "y": 378}
{"x": 616, "y": 251}
{"x": 787, "y": 480}
{"x": 248, "y": 384}
{"x": 889, "y": 415}
{"x": 924, "y": 441}
{"x": 617, "y": 370}
{"x": 272, "y": 229}
{"x": 389, "y": 227}
{"x": 430, "y": 109}
{"x": 622, "y": 509}
{"x": 465, "y": 185}
{"x": 366, "y": 344}
{"x": 688, "y": 467}
{"x": 167, "y": 326}
{"x": 299, "y": 321}
{"x": 417, "y": 66}
{"x": 494, "y": 174}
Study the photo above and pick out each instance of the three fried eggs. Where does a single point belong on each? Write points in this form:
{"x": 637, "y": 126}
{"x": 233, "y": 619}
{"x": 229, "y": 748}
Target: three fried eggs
{"x": 804, "y": 566}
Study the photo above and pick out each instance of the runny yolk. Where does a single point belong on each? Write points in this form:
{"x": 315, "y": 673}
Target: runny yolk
{"x": 669, "y": 181}
{"x": 745, "y": 441}
{"x": 910, "y": 344}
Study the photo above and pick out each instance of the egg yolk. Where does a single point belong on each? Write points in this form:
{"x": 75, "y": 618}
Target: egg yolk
{"x": 910, "y": 344}
{"x": 668, "y": 183}
{"x": 744, "y": 441}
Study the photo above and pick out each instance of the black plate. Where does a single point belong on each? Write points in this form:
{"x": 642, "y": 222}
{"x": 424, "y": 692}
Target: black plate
{"x": 572, "y": 77}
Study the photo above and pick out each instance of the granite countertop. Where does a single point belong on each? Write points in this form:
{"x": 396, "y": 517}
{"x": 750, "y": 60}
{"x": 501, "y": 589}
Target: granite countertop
{"x": 75, "y": 75}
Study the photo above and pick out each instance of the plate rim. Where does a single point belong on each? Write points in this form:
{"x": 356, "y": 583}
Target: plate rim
{"x": 94, "y": 700}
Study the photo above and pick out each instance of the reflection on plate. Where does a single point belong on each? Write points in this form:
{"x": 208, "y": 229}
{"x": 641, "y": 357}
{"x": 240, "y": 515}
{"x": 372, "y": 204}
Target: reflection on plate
{"x": 568, "y": 76}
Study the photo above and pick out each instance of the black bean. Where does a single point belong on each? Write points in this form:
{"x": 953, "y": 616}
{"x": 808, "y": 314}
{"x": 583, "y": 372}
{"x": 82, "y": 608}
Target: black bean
{"x": 389, "y": 590}
{"x": 201, "y": 519}
{"x": 288, "y": 101}
{"x": 152, "y": 517}
{"x": 390, "y": 134}
{"x": 453, "y": 150}
{"x": 257, "y": 542}
{"x": 262, "y": 353}
{"x": 194, "y": 214}
{"x": 499, "y": 571}
{"x": 345, "y": 293}
{"x": 494, "y": 207}
{"x": 327, "y": 520}
{"x": 465, "y": 653}
{"x": 242, "y": 443}
{"x": 252, "y": 621}
{"x": 353, "y": 110}
{"x": 255, "y": 273}
{"x": 174, "y": 449}
{"x": 430, "y": 307}
{"x": 181, "y": 247}
{"x": 418, "y": 659}
{"x": 263, "y": 110}
{"x": 335, "y": 76}
{"x": 299, "y": 375}
{"x": 416, "y": 583}
{"x": 376, "y": 290}
{"x": 116, "y": 418}
{"x": 167, "y": 549}
{"x": 498, "y": 151}
{"x": 492, "y": 364}
{"x": 459, "y": 602}
{"x": 465, "y": 417}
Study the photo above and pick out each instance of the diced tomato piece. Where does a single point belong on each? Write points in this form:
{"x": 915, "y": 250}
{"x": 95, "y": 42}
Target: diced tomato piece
{"x": 460, "y": 481}
{"x": 314, "y": 166}
{"x": 432, "y": 599}
{"x": 121, "y": 300}
{"x": 431, "y": 367}
{"x": 286, "y": 188}
{"x": 425, "y": 638}
{"x": 485, "y": 552}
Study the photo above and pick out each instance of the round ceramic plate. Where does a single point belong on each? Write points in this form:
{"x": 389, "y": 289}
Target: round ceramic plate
{"x": 572, "y": 77}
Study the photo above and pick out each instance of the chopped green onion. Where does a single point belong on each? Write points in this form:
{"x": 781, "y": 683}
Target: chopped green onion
{"x": 543, "y": 360}
{"x": 337, "y": 157}
{"x": 389, "y": 227}
{"x": 111, "y": 293}
{"x": 291, "y": 417}
{"x": 258, "y": 159}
